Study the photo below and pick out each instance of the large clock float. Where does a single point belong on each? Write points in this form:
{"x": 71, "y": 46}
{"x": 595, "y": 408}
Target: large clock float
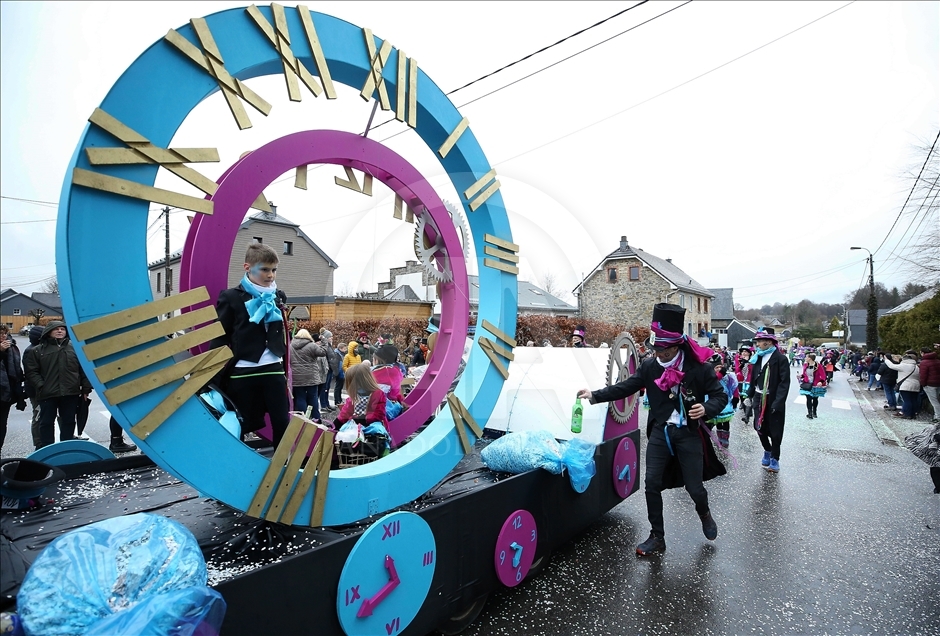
{"x": 403, "y": 544}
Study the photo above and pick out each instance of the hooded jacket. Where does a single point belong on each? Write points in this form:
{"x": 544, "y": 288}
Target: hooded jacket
{"x": 308, "y": 362}
{"x": 352, "y": 355}
{"x": 52, "y": 367}
{"x": 929, "y": 370}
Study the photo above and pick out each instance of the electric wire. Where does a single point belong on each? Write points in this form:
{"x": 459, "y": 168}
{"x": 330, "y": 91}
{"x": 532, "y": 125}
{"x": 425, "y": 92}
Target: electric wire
{"x": 898, "y": 250}
{"x": 914, "y": 187}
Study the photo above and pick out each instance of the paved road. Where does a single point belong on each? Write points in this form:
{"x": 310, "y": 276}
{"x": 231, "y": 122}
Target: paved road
{"x": 844, "y": 540}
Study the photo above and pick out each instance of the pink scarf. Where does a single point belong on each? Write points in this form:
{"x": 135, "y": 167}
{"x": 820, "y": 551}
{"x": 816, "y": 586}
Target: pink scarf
{"x": 672, "y": 375}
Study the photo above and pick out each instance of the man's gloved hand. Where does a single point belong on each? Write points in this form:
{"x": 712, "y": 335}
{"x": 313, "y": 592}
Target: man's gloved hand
{"x": 747, "y": 402}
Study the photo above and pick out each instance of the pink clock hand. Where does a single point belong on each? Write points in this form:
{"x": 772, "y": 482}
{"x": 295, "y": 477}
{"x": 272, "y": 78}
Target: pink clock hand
{"x": 370, "y": 604}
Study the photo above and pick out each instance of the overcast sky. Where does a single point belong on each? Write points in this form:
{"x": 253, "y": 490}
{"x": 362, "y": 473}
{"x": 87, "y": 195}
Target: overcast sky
{"x": 751, "y": 142}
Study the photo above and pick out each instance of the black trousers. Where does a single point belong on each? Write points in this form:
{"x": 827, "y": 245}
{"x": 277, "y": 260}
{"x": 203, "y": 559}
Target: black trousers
{"x": 257, "y": 391}
{"x": 687, "y": 446}
{"x": 65, "y": 407}
{"x": 812, "y": 403}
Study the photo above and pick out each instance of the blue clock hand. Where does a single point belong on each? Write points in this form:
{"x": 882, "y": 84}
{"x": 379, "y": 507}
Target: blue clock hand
{"x": 518, "y": 556}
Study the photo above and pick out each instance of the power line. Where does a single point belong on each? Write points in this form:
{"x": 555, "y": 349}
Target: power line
{"x": 914, "y": 187}
{"x": 476, "y": 99}
{"x": 33, "y": 221}
{"x": 46, "y": 203}
{"x": 689, "y": 81}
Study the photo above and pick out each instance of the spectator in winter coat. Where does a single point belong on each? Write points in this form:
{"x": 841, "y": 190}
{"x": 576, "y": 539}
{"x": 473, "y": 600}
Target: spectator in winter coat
{"x": 873, "y": 370}
{"x": 11, "y": 380}
{"x": 309, "y": 369}
{"x": 889, "y": 378}
{"x": 35, "y": 333}
{"x": 53, "y": 369}
{"x": 352, "y": 356}
{"x": 930, "y": 379}
{"x": 908, "y": 383}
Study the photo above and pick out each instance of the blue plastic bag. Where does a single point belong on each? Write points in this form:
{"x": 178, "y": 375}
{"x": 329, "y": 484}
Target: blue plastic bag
{"x": 523, "y": 451}
{"x": 105, "y": 568}
{"x": 191, "y": 611}
{"x": 578, "y": 458}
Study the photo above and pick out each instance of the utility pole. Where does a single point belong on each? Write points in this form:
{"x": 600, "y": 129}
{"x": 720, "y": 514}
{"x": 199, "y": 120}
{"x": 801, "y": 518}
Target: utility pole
{"x": 166, "y": 272}
{"x": 871, "y": 326}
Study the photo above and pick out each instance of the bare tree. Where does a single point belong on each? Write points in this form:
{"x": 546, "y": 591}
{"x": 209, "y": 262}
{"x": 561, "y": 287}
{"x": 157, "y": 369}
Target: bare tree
{"x": 51, "y": 285}
{"x": 918, "y": 248}
{"x": 552, "y": 286}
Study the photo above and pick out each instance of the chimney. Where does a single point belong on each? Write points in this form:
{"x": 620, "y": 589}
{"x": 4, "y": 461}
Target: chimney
{"x": 623, "y": 242}
{"x": 668, "y": 260}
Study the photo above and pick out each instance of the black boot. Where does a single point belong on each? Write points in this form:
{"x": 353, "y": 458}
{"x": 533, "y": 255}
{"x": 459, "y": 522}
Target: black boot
{"x": 118, "y": 445}
{"x": 809, "y": 411}
{"x": 814, "y": 412}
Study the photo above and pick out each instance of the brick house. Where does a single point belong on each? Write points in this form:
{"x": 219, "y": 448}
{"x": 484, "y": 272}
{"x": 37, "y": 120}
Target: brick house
{"x": 627, "y": 283}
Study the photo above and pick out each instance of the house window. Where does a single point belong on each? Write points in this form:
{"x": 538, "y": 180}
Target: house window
{"x": 612, "y": 275}
{"x": 634, "y": 272}
{"x": 169, "y": 280}
{"x": 706, "y": 305}
{"x": 288, "y": 248}
{"x": 16, "y": 312}
{"x": 699, "y": 304}
{"x": 682, "y": 304}
{"x": 159, "y": 282}
{"x": 257, "y": 239}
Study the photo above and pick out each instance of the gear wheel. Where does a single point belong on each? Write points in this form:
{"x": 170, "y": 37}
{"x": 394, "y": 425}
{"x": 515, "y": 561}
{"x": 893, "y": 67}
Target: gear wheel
{"x": 428, "y": 251}
{"x": 619, "y": 368}
{"x": 460, "y": 222}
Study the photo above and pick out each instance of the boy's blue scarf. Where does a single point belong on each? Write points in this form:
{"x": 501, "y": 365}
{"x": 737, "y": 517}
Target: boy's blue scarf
{"x": 261, "y": 307}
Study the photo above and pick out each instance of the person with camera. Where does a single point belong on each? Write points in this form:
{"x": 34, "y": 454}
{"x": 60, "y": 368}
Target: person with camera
{"x": 683, "y": 392}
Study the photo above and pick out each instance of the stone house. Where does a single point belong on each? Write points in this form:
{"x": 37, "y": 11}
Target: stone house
{"x": 627, "y": 283}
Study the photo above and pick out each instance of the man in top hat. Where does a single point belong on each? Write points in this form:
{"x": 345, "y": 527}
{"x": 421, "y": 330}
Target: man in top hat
{"x": 767, "y": 395}
{"x": 677, "y": 382}
{"x": 577, "y": 337}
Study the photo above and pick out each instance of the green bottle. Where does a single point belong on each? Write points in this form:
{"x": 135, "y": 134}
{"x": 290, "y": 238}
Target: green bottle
{"x": 576, "y": 412}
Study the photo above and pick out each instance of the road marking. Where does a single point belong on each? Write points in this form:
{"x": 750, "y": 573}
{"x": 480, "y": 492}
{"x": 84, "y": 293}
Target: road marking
{"x": 841, "y": 404}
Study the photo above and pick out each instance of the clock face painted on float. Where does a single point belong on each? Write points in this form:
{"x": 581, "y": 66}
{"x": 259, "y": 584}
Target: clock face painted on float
{"x": 515, "y": 547}
{"x": 387, "y": 576}
{"x": 116, "y": 322}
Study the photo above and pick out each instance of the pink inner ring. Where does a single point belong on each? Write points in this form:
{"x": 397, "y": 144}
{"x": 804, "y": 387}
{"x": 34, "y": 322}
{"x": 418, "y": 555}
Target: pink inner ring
{"x": 210, "y": 241}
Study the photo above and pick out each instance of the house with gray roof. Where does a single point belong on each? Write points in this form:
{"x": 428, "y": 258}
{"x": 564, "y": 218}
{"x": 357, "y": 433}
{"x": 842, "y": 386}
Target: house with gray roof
{"x": 907, "y": 305}
{"x": 305, "y": 272}
{"x": 626, "y": 284}
{"x": 857, "y": 323}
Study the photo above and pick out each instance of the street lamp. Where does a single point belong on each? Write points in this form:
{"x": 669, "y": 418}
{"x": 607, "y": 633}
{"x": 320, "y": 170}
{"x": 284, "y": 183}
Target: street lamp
{"x": 871, "y": 328}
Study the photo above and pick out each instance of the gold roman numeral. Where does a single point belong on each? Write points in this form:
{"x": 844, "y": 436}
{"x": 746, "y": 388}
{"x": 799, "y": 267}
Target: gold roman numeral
{"x": 353, "y": 184}
{"x": 402, "y": 207}
{"x": 284, "y": 485}
{"x": 453, "y": 137}
{"x": 407, "y": 67}
{"x": 474, "y": 195}
{"x": 462, "y": 418}
{"x": 374, "y": 80}
{"x": 294, "y": 70}
{"x": 503, "y": 250}
{"x": 142, "y": 151}
{"x": 197, "y": 370}
{"x": 492, "y": 349}
{"x": 210, "y": 60}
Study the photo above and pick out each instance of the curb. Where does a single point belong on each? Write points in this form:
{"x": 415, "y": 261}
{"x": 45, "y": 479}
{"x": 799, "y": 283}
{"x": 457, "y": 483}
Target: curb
{"x": 884, "y": 433}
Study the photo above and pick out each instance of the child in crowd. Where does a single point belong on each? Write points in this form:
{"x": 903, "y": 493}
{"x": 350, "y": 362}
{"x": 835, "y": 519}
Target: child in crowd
{"x": 388, "y": 376}
{"x": 352, "y": 356}
{"x": 253, "y": 318}
{"x": 366, "y": 401}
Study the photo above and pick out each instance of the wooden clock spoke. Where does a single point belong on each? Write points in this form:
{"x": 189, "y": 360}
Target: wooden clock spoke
{"x": 401, "y": 207}
{"x": 210, "y": 60}
{"x": 503, "y": 250}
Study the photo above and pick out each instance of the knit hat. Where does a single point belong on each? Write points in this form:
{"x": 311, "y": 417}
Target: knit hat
{"x": 326, "y": 334}
{"x": 35, "y": 333}
{"x": 363, "y": 334}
